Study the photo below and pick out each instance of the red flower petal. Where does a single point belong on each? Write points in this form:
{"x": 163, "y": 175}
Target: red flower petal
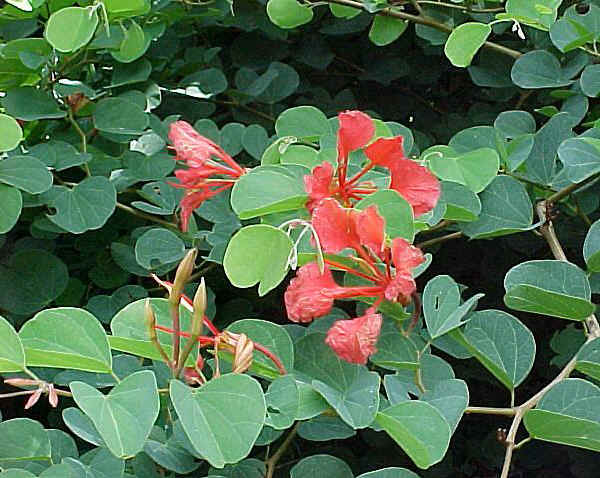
{"x": 356, "y": 129}
{"x": 405, "y": 256}
{"x": 400, "y": 287}
{"x": 306, "y": 297}
{"x": 354, "y": 340}
{"x": 370, "y": 227}
{"x": 334, "y": 226}
{"x": 190, "y": 145}
{"x": 317, "y": 184}
{"x": 416, "y": 184}
{"x": 386, "y": 151}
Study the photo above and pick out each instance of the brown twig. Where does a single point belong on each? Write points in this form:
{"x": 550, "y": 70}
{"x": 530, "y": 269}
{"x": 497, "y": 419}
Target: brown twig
{"x": 272, "y": 462}
{"x": 436, "y": 240}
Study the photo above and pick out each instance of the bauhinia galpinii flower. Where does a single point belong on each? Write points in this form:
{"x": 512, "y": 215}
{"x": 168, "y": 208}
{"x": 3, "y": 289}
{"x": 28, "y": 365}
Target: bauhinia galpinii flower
{"x": 210, "y": 169}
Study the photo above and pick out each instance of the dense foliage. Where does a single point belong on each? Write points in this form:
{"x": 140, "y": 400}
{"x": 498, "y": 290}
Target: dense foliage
{"x": 293, "y": 238}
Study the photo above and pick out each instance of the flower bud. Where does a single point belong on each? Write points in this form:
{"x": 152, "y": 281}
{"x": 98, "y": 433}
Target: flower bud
{"x": 150, "y": 320}
{"x": 184, "y": 271}
{"x": 21, "y": 382}
{"x": 199, "y": 309}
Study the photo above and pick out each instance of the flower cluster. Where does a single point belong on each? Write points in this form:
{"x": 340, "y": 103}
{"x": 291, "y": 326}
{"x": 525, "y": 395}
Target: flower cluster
{"x": 412, "y": 181}
{"x": 384, "y": 266}
{"x": 205, "y": 160}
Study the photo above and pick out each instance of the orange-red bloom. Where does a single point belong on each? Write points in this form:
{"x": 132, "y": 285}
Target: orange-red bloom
{"x": 204, "y": 159}
{"x": 354, "y": 340}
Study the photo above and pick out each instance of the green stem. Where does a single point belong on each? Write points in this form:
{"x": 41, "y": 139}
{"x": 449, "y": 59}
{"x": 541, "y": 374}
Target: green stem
{"x": 143, "y": 215}
{"x": 508, "y": 412}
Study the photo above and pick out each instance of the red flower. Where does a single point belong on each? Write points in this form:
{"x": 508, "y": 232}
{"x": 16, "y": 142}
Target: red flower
{"x": 405, "y": 256}
{"x": 370, "y": 227}
{"x": 355, "y": 131}
{"x": 318, "y": 183}
{"x": 200, "y": 155}
{"x": 307, "y": 295}
{"x": 354, "y": 340}
{"x": 412, "y": 181}
{"x": 334, "y": 226}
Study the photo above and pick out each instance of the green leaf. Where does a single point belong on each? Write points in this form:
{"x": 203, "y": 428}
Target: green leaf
{"x": 568, "y": 414}
{"x": 567, "y": 34}
{"x": 272, "y": 336}
{"x": 85, "y": 207}
{"x": 310, "y": 403}
{"x": 321, "y": 465}
{"x": 281, "y": 189}
{"x": 158, "y": 247}
{"x": 130, "y": 73}
{"x": 130, "y": 334}
{"x": 395, "y": 352}
{"x": 442, "y": 306}
{"x": 210, "y": 81}
{"x": 538, "y": 69}
{"x": 12, "y": 355}
{"x": 288, "y": 13}
{"x": 221, "y": 438}
{"x": 26, "y": 173}
{"x": 29, "y": 104}
{"x": 119, "y": 116}
{"x": 11, "y": 203}
{"x": 23, "y": 439}
{"x": 538, "y": 13}
{"x": 350, "y": 389}
{"x": 66, "y": 337}
{"x": 134, "y": 44}
{"x": 462, "y": 204}
{"x": 515, "y": 123}
{"x": 127, "y": 8}
{"x": 123, "y": 431}
{"x": 392, "y": 472}
{"x": 270, "y": 250}
{"x": 324, "y": 428}
{"x": 505, "y": 209}
{"x": 419, "y": 428}
{"x": 81, "y": 425}
{"x": 169, "y": 454}
{"x": 282, "y": 402}
{"x": 396, "y": 211}
{"x": 588, "y": 359}
{"x": 451, "y": 398}
{"x": 591, "y": 247}
{"x": 555, "y": 288}
{"x": 30, "y": 279}
{"x": 464, "y": 41}
{"x": 68, "y": 29}
{"x": 255, "y": 140}
{"x": 474, "y": 169}
{"x": 302, "y": 122}
{"x": 385, "y": 30}
{"x": 501, "y": 343}
{"x": 581, "y": 157}
{"x": 11, "y": 133}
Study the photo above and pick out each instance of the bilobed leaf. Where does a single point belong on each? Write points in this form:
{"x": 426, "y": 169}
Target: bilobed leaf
{"x": 441, "y": 306}
{"x": 580, "y": 156}
{"x": 591, "y": 247}
{"x": 464, "y": 41}
{"x": 462, "y": 204}
{"x": 350, "y": 389}
{"x": 158, "y": 247}
{"x": 588, "y": 359}
{"x": 590, "y": 80}
{"x": 538, "y": 13}
{"x": 11, "y": 133}
{"x": 396, "y": 211}
{"x": 282, "y": 402}
{"x": 385, "y": 30}
{"x": 555, "y": 288}
{"x": 505, "y": 209}
{"x": 568, "y": 34}
{"x": 29, "y": 104}
{"x": 269, "y": 248}
{"x": 66, "y": 337}
{"x": 395, "y": 352}
{"x": 474, "y": 169}
{"x": 501, "y": 343}
{"x": 221, "y": 438}
{"x": 569, "y": 414}
{"x": 272, "y": 336}
{"x": 389, "y": 473}
{"x": 26, "y": 173}
{"x": 323, "y": 465}
{"x": 281, "y": 189}
{"x": 81, "y": 425}
{"x": 12, "y": 355}
{"x": 23, "y": 439}
{"x": 123, "y": 431}
{"x": 288, "y": 13}
{"x": 451, "y": 398}
{"x": 419, "y": 428}
{"x": 119, "y": 116}
{"x": 11, "y": 203}
{"x": 68, "y": 29}
{"x": 538, "y": 69}
{"x": 87, "y": 206}
{"x": 130, "y": 333}
{"x": 134, "y": 44}
{"x": 515, "y": 123}
{"x": 324, "y": 428}
{"x": 302, "y": 122}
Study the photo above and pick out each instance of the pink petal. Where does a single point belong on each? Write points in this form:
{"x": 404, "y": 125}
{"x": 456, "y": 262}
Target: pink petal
{"x": 190, "y": 145}
{"x": 416, "y": 184}
{"x": 405, "y": 256}
{"x": 306, "y": 297}
{"x": 334, "y": 226}
{"x": 386, "y": 151}
{"x": 400, "y": 288}
{"x": 317, "y": 184}
{"x": 354, "y": 340}
{"x": 370, "y": 227}
{"x": 356, "y": 129}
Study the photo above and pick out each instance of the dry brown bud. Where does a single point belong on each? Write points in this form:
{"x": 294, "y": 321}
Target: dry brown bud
{"x": 184, "y": 271}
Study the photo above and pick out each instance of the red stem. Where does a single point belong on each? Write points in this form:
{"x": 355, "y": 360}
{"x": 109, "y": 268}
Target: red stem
{"x": 360, "y": 174}
{"x": 348, "y": 269}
